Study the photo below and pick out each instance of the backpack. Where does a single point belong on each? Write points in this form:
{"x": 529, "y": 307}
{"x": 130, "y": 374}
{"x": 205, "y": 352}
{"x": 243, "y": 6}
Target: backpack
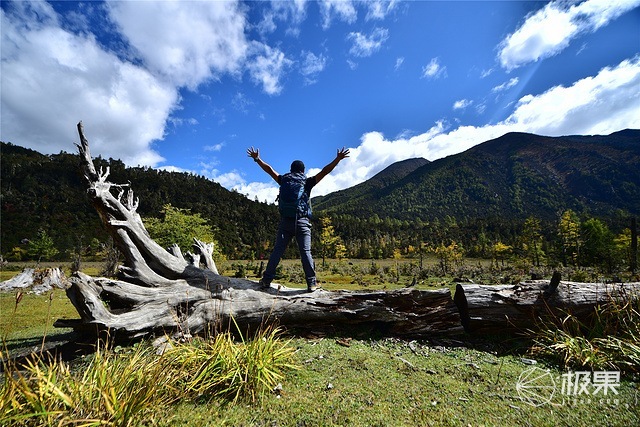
{"x": 293, "y": 202}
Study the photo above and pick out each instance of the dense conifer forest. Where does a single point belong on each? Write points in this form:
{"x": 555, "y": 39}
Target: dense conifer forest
{"x": 47, "y": 192}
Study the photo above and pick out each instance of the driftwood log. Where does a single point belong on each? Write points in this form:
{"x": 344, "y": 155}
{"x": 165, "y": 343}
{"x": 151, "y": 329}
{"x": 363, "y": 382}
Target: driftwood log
{"x": 161, "y": 291}
{"x": 37, "y": 281}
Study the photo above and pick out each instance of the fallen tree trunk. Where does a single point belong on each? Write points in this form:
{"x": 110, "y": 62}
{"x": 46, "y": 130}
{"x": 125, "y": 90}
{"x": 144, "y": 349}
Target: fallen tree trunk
{"x": 488, "y": 309}
{"x": 131, "y": 310}
{"x": 159, "y": 291}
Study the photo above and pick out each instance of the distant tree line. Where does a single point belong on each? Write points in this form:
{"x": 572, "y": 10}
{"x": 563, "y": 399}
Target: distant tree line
{"x": 571, "y": 240}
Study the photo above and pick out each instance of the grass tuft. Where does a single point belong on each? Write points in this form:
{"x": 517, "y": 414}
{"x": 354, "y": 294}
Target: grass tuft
{"x": 608, "y": 342}
{"x": 222, "y": 367}
{"x": 112, "y": 389}
{"x": 124, "y": 388}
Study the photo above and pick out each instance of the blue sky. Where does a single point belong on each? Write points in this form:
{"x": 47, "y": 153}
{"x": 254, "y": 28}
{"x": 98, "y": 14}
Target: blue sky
{"x": 189, "y": 86}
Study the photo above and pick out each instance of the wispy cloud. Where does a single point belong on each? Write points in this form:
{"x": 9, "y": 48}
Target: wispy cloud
{"x": 486, "y": 73}
{"x": 241, "y": 103}
{"x": 364, "y": 45}
{"x": 399, "y": 62}
{"x": 290, "y": 13}
{"x": 506, "y": 85}
{"x": 181, "y": 121}
{"x": 434, "y": 70}
{"x": 379, "y": 9}
{"x": 267, "y": 67}
{"x": 462, "y": 104}
{"x": 551, "y": 29}
{"x": 343, "y": 10}
{"x": 311, "y": 66}
{"x": 215, "y": 147}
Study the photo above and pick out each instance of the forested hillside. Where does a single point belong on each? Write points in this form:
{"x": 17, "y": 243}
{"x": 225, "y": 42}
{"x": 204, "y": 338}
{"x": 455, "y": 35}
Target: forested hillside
{"x": 514, "y": 176}
{"x": 48, "y": 192}
{"x": 366, "y": 191}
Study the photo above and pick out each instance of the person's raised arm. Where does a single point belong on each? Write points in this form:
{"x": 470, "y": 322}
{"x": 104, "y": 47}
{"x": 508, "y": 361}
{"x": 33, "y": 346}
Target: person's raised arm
{"x": 254, "y": 153}
{"x": 342, "y": 153}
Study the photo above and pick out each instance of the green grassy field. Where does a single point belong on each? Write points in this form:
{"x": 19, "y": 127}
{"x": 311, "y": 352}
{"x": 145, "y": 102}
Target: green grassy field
{"x": 386, "y": 383}
{"x": 369, "y": 380}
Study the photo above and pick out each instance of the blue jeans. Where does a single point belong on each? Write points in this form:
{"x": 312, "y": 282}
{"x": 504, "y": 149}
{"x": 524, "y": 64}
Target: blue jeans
{"x": 287, "y": 230}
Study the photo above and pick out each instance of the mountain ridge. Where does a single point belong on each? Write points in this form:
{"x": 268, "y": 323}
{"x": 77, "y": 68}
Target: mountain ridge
{"x": 384, "y": 178}
{"x": 517, "y": 175}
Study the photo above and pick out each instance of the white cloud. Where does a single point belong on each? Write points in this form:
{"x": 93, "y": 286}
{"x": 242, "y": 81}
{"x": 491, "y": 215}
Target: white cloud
{"x": 291, "y": 13}
{"x": 234, "y": 180}
{"x": 241, "y": 103}
{"x": 506, "y": 85}
{"x": 268, "y": 67}
{"x": 601, "y": 104}
{"x": 434, "y": 69}
{"x": 215, "y": 147}
{"x": 258, "y": 190}
{"x": 228, "y": 179}
{"x": 173, "y": 169}
{"x": 126, "y": 106}
{"x": 548, "y": 31}
{"x": 364, "y": 45}
{"x": 486, "y": 73}
{"x": 187, "y": 44}
{"x": 379, "y": 9}
{"x": 372, "y": 155}
{"x": 462, "y": 104}
{"x": 311, "y": 66}
{"x": 399, "y": 62}
{"x": 263, "y": 192}
{"x": 342, "y": 9}
{"x": 127, "y": 97}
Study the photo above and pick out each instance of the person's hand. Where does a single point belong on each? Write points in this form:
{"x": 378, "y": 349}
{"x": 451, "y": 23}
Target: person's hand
{"x": 254, "y": 153}
{"x": 342, "y": 153}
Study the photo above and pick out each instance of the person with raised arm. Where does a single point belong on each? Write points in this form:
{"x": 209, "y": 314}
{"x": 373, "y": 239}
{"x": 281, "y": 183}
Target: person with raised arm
{"x": 294, "y": 203}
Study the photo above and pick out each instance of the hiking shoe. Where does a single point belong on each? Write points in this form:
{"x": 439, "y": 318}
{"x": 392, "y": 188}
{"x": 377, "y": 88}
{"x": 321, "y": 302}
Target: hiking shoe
{"x": 263, "y": 284}
{"x": 314, "y": 288}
